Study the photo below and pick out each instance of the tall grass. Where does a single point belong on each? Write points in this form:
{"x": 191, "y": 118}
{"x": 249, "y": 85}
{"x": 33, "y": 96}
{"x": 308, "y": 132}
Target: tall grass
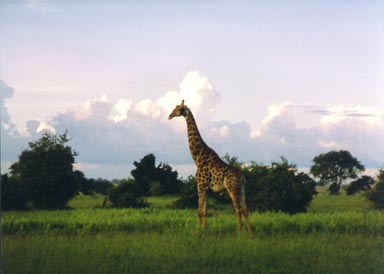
{"x": 330, "y": 238}
{"x": 160, "y": 220}
{"x": 186, "y": 252}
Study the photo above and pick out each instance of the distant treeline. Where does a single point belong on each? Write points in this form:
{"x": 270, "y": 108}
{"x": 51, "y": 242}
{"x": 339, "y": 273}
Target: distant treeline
{"x": 44, "y": 177}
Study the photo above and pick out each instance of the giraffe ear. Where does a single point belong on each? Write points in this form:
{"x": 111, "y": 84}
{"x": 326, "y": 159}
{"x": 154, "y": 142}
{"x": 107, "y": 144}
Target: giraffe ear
{"x": 182, "y": 103}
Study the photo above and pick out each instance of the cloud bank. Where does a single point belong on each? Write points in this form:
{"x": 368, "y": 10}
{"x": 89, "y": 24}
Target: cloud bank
{"x": 109, "y": 134}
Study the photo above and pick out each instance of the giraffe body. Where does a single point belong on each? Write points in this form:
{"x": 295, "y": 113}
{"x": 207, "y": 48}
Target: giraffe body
{"x": 212, "y": 172}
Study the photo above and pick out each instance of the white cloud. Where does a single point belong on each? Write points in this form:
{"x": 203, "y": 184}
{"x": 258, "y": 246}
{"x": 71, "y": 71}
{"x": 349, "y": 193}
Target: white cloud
{"x": 11, "y": 141}
{"x": 199, "y": 93}
{"x": 43, "y": 126}
{"x": 110, "y": 134}
{"x": 147, "y": 107}
{"x": 120, "y": 110}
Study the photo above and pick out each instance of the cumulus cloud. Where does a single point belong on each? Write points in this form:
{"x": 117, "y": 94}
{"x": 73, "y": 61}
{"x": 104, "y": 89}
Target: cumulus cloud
{"x": 110, "y": 133}
{"x": 6, "y": 92}
{"x": 11, "y": 141}
{"x": 120, "y": 131}
{"x": 354, "y": 128}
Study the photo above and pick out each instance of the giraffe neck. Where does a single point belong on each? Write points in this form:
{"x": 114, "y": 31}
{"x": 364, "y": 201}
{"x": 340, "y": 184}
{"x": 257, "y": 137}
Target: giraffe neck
{"x": 197, "y": 145}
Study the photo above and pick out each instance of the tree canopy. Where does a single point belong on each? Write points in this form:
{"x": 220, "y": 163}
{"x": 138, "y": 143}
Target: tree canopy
{"x": 46, "y": 169}
{"x": 334, "y": 167}
{"x": 279, "y": 187}
{"x": 376, "y": 195}
{"x": 155, "y": 180}
{"x": 361, "y": 184}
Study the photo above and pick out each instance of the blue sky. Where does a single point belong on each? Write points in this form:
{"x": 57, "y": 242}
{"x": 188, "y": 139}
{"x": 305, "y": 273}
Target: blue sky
{"x": 265, "y": 78}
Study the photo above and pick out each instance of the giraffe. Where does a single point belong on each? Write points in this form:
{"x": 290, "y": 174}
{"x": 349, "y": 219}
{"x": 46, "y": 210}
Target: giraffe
{"x": 212, "y": 172}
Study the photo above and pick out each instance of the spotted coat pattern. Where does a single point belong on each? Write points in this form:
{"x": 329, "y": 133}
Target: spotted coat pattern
{"x": 212, "y": 172}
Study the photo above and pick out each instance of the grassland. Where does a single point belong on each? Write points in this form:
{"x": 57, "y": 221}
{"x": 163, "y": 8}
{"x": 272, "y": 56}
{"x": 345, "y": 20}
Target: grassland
{"x": 339, "y": 234}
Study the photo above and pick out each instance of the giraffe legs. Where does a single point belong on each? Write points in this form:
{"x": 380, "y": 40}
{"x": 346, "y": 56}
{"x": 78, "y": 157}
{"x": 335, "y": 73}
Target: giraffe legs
{"x": 244, "y": 208}
{"x": 202, "y": 187}
{"x": 240, "y": 206}
{"x": 202, "y": 210}
{"x": 237, "y": 207}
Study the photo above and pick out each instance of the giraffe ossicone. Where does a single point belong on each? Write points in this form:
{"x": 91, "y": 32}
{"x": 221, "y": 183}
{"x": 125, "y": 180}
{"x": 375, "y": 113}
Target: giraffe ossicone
{"x": 212, "y": 172}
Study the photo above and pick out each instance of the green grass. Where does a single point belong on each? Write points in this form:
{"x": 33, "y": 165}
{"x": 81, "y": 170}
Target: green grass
{"x": 160, "y": 220}
{"x": 161, "y": 201}
{"x": 323, "y": 202}
{"x": 86, "y": 201}
{"x": 187, "y": 252}
{"x": 339, "y": 234}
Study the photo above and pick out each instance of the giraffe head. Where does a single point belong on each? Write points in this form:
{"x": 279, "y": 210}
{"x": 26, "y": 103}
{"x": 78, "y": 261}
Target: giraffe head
{"x": 180, "y": 110}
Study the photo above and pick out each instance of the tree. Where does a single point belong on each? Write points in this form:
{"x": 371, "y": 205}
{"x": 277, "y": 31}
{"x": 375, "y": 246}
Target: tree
{"x": 14, "y": 195}
{"x": 148, "y": 176}
{"x": 232, "y": 160}
{"x": 376, "y": 195}
{"x": 101, "y": 186}
{"x": 361, "y": 184}
{"x": 334, "y": 167}
{"x": 85, "y": 186}
{"x": 144, "y": 172}
{"x": 46, "y": 169}
{"x": 278, "y": 187}
{"x": 126, "y": 194}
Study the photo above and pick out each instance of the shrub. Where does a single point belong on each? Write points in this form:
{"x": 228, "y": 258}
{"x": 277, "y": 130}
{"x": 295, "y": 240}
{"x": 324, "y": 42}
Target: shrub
{"x": 146, "y": 172}
{"x": 278, "y": 188}
{"x": 362, "y": 184}
{"x": 188, "y": 195}
{"x": 13, "y": 194}
{"x": 126, "y": 194}
{"x": 376, "y": 195}
{"x": 156, "y": 189}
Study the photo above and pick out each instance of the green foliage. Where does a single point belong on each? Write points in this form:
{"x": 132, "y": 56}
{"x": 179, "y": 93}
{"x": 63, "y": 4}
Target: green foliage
{"x": 278, "y": 188}
{"x": 334, "y": 167}
{"x": 377, "y": 194}
{"x": 156, "y": 189}
{"x": 361, "y": 184}
{"x": 46, "y": 168}
{"x": 232, "y": 160}
{"x": 325, "y": 203}
{"x": 86, "y": 201}
{"x": 146, "y": 173}
{"x": 188, "y": 195}
{"x": 13, "y": 194}
{"x": 188, "y": 253}
{"x": 103, "y": 241}
{"x": 126, "y": 194}
{"x": 92, "y": 186}
{"x": 143, "y": 220}
{"x": 101, "y": 186}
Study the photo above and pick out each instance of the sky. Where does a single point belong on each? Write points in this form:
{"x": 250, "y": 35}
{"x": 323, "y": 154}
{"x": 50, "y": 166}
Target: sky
{"x": 264, "y": 79}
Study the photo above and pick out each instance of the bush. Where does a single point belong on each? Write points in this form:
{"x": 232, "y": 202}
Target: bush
{"x": 156, "y": 189}
{"x": 146, "y": 172}
{"x": 278, "y": 188}
{"x": 46, "y": 168}
{"x": 376, "y": 195}
{"x": 362, "y": 184}
{"x": 126, "y": 194}
{"x": 13, "y": 194}
{"x": 188, "y": 195}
